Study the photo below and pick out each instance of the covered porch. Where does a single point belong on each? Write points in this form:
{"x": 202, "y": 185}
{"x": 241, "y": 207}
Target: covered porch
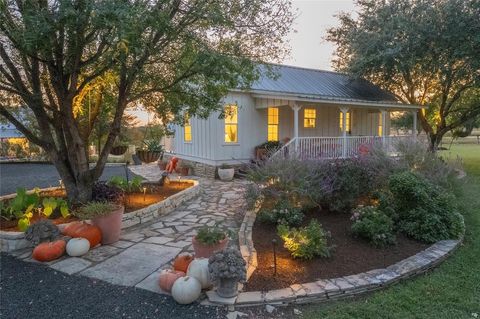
{"x": 311, "y": 129}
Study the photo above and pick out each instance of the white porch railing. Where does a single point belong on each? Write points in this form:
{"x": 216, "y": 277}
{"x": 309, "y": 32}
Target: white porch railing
{"x": 335, "y": 147}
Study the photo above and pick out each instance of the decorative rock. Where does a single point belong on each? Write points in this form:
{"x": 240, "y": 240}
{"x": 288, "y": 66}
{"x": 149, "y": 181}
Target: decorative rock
{"x": 43, "y": 230}
{"x": 270, "y": 308}
{"x": 296, "y": 311}
{"x": 77, "y": 247}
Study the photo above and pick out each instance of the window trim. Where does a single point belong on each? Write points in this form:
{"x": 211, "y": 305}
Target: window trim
{"x": 187, "y": 123}
{"x": 314, "y": 117}
{"x": 348, "y": 122}
{"x": 232, "y": 123}
{"x": 274, "y": 123}
{"x": 380, "y": 127}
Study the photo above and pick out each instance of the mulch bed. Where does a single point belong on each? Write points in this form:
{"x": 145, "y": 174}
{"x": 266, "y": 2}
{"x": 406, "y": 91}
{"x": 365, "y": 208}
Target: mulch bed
{"x": 350, "y": 256}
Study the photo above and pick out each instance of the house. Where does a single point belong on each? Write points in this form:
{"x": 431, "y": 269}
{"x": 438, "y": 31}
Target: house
{"x": 316, "y": 113}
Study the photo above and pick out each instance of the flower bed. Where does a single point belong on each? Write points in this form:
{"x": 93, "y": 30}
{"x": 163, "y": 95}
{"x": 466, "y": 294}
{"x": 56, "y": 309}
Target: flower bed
{"x": 14, "y": 240}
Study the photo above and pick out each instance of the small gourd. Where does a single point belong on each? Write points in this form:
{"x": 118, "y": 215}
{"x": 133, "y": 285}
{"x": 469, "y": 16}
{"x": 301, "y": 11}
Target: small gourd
{"x": 49, "y": 251}
{"x": 186, "y": 290}
{"x": 198, "y": 269}
{"x": 77, "y": 247}
{"x": 168, "y": 277}
{"x": 182, "y": 261}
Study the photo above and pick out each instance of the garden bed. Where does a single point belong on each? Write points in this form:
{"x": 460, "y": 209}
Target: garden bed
{"x": 350, "y": 256}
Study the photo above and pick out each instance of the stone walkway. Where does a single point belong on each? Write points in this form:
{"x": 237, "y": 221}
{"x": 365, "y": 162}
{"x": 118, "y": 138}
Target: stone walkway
{"x": 144, "y": 250}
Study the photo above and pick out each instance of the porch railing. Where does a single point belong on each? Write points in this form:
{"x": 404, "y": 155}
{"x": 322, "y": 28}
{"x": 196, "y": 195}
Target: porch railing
{"x": 335, "y": 147}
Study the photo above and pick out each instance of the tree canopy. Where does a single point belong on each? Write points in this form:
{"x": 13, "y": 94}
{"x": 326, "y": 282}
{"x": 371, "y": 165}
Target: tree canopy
{"x": 426, "y": 52}
{"x": 169, "y": 55}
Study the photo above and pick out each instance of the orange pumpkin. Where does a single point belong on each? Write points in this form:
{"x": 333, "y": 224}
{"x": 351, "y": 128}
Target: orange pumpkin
{"x": 49, "y": 251}
{"x": 84, "y": 230}
{"x": 167, "y": 278}
{"x": 182, "y": 261}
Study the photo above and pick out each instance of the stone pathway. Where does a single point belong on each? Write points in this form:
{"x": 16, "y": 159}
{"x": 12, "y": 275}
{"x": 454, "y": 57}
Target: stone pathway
{"x": 144, "y": 250}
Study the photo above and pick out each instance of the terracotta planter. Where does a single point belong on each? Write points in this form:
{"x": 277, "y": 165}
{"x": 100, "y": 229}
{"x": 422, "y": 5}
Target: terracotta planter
{"x": 202, "y": 250}
{"x": 119, "y": 150}
{"x": 226, "y": 174}
{"x": 227, "y": 287}
{"x": 110, "y": 225}
{"x": 147, "y": 156}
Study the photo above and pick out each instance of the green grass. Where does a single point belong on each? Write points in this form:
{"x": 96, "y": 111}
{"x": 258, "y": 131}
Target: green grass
{"x": 450, "y": 291}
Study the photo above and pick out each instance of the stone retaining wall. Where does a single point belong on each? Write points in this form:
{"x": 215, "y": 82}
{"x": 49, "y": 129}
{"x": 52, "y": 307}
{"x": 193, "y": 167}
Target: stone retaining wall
{"x": 11, "y": 241}
{"x": 336, "y": 288}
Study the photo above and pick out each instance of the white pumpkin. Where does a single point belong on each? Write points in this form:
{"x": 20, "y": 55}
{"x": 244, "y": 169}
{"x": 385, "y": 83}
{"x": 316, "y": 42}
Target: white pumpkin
{"x": 77, "y": 247}
{"x": 198, "y": 269}
{"x": 186, "y": 290}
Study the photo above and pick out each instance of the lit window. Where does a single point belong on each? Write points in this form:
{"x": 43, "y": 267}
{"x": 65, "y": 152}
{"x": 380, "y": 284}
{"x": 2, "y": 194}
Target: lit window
{"x": 380, "y": 124}
{"x": 273, "y": 124}
{"x": 187, "y": 129}
{"x": 231, "y": 124}
{"x": 309, "y": 116}
{"x": 348, "y": 122}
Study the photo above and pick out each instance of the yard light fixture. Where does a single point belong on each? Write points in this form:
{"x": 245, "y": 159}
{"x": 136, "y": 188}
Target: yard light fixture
{"x": 144, "y": 192}
{"x": 274, "y": 242}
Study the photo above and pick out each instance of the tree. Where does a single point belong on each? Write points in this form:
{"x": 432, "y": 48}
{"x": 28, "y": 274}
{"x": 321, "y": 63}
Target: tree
{"x": 170, "y": 55}
{"x": 426, "y": 52}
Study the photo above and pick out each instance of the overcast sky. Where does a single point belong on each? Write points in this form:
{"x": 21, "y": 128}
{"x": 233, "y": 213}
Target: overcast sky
{"x": 308, "y": 47}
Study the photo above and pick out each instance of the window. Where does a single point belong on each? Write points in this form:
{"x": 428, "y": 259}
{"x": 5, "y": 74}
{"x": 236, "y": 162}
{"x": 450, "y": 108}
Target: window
{"x": 272, "y": 124}
{"x": 348, "y": 121}
{"x": 380, "y": 124}
{"x": 231, "y": 124}
{"x": 309, "y": 116}
{"x": 187, "y": 129}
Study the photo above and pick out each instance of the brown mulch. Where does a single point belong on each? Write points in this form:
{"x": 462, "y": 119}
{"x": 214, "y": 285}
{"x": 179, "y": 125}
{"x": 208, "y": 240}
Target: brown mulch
{"x": 133, "y": 201}
{"x": 350, "y": 256}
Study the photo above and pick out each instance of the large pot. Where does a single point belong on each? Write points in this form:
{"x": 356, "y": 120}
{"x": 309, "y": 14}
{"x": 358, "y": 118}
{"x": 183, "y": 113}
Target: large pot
{"x": 110, "y": 225}
{"x": 202, "y": 250}
{"x": 227, "y": 287}
{"x": 148, "y": 156}
{"x": 226, "y": 174}
{"x": 119, "y": 150}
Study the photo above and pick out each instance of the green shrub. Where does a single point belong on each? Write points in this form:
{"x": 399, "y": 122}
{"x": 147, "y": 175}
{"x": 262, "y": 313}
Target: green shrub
{"x": 306, "y": 242}
{"x": 282, "y": 213}
{"x": 425, "y": 211}
{"x": 374, "y": 225}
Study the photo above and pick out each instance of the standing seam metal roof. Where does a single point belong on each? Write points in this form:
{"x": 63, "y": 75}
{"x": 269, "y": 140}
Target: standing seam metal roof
{"x": 303, "y": 81}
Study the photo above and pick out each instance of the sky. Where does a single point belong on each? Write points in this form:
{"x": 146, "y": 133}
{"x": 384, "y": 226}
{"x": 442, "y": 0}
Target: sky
{"x": 308, "y": 47}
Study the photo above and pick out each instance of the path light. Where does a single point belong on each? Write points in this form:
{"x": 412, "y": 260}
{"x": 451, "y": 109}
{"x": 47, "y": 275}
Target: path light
{"x": 126, "y": 170}
{"x": 144, "y": 192}
{"x": 61, "y": 183}
{"x": 274, "y": 242}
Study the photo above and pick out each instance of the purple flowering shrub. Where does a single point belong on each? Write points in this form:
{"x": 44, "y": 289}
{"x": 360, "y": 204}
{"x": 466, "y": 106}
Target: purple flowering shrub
{"x": 373, "y": 225}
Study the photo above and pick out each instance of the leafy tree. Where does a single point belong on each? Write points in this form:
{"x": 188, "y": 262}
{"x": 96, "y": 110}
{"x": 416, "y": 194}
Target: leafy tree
{"x": 424, "y": 51}
{"x": 169, "y": 55}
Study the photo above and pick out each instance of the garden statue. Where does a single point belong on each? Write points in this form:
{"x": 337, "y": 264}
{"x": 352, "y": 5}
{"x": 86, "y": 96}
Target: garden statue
{"x": 227, "y": 269}
{"x": 43, "y": 230}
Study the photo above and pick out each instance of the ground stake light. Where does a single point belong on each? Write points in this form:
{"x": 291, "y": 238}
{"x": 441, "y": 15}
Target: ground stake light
{"x": 274, "y": 242}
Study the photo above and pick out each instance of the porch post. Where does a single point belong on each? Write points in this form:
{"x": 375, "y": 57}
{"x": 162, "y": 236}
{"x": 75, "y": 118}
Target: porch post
{"x": 344, "y": 111}
{"x": 295, "y": 107}
{"x": 414, "y": 129}
{"x": 384, "y": 129}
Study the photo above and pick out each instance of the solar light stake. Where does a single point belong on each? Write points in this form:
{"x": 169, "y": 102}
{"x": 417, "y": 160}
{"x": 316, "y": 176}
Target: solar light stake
{"x": 274, "y": 242}
{"x": 144, "y": 192}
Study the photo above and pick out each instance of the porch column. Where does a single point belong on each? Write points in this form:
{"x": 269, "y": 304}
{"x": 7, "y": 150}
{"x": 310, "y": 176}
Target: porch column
{"x": 384, "y": 129}
{"x": 295, "y": 107}
{"x": 344, "y": 111}
{"x": 414, "y": 129}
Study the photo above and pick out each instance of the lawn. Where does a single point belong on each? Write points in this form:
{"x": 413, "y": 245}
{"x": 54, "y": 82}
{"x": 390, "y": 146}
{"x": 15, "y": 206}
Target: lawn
{"x": 450, "y": 291}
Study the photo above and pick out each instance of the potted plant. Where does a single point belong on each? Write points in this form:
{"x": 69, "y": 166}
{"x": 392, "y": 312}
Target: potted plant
{"x": 208, "y": 240}
{"x": 151, "y": 151}
{"x": 226, "y": 172}
{"x": 119, "y": 149}
{"x": 183, "y": 169}
{"x": 227, "y": 269}
{"x": 106, "y": 216}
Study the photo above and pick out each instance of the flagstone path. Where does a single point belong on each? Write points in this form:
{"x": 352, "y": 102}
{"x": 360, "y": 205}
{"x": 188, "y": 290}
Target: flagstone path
{"x": 144, "y": 250}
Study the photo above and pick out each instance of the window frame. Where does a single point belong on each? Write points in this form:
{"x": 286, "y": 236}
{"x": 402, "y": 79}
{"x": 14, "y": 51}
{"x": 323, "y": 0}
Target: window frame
{"x": 380, "y": 127}
{"x": 230, "y": 121}
{"x": 348, "y": 122}
{"x": 187, "y": 124}
{"x": 308, "y": 119}
{"x": 273, "y": 122}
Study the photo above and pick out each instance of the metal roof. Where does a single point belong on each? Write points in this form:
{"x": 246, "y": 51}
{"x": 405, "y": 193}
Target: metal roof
{"x": 318, "y": 83}
{"x": 9, "y": 131}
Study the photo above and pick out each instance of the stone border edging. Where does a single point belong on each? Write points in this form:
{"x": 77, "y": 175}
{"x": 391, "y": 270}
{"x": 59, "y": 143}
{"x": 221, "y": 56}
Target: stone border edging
{"x": 336, "y": 288}
{"x": 11, "y": 240}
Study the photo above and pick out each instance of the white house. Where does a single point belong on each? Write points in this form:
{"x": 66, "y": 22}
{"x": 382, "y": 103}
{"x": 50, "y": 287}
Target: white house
{"x": 316, "y": 113}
